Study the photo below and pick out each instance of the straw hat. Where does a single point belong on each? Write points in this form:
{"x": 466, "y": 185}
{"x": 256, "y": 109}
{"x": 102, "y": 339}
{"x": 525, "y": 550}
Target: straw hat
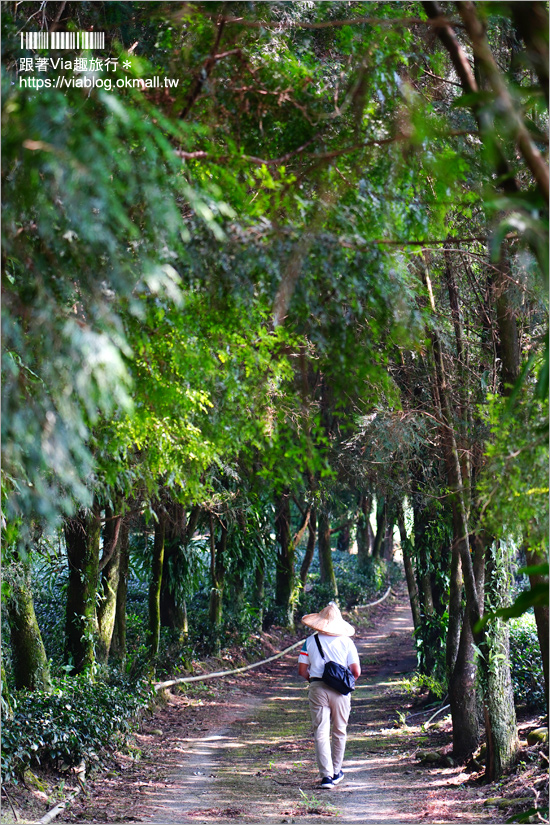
{"x": 329, "y": 621}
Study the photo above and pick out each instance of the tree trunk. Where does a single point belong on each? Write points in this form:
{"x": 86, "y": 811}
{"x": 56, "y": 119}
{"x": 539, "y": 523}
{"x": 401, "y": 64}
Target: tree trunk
{"x": 463, "y": 699}
{"x": 462, "y": 690}
{"x": 7, "y": 698}
{"x": 179, "y": 531}
{"x": 325, "y": 553}
{"x": 218, "y": 552}
{"x": 82, "y": 535}
{"x": 118, "y": 643}
{"x": 421, "y": 520}
{"x": 343, "y": 542}
{"x": 29, "y": 661}
{"x": 499, "y": 708}
{"x": 500, "y": 714}
{"x": 456, "y": 614}
{"x": 388, "y": 541}
{"x": 381, "y": 523}
{"x": 310, "y": 549}
{"x": 461, "y": 667}
{"x": 463, "y": 377}
{"x": 365, "y": 537}
{"x": 536, "y": 557}
{"x": 171, "y": 613}
{"x": 454, "y": 473}
{"x": 299, "y": 534}
{"x": 508, "y": 334}
{"x": 409, "y": 568}
{"x": 285, "y": 586}
{"x": 108, "y": 587}
{"x": 258, "y": 599}
{"x": 153, "y": 638}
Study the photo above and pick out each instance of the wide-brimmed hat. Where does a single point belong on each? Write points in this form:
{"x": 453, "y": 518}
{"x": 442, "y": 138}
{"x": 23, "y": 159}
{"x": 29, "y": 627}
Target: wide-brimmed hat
{"x": 329, "y": 621}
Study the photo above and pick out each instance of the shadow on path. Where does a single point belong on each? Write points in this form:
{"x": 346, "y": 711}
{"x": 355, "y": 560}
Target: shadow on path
{"x": 261, "y": 768}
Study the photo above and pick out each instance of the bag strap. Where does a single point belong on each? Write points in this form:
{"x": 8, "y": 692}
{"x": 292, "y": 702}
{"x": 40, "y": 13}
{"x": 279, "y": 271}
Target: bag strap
{"x": 321, "y": 651}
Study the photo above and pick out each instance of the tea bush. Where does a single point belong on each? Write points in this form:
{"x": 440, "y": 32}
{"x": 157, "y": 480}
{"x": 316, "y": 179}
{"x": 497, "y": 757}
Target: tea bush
{"x": 355, "y": 585}
{"x": 78, "y": 720}
{"x": 526, "y": 662}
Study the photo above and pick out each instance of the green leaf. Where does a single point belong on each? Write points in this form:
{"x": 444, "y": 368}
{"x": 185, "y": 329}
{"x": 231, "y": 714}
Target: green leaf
{"x": 535, "y": 570}
{"x": 536, "y": 596}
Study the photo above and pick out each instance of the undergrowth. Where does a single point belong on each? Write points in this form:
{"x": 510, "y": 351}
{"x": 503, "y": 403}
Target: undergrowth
{"x": 79, "y": 720}
{"x": 526, "y": 663}
{"x": 85, "y": 720}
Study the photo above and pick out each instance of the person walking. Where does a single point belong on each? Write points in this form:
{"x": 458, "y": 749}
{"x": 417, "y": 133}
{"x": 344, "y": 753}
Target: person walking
{"x": 328, "y": 706}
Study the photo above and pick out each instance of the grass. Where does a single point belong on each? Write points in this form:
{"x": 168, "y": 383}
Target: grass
{"x": 313, "y": 805}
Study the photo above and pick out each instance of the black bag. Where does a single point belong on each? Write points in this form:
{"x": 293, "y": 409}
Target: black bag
{"x": 336, "y": 676}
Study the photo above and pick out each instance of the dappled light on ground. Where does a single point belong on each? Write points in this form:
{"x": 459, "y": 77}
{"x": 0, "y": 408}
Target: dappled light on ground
{"x": 262, "y": 767}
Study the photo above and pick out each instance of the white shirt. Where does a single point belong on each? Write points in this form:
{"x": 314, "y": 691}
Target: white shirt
{"x": 338, "y": 649}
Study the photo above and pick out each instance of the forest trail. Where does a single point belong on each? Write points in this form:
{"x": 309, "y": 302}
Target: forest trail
{"x": 261, "y": 768}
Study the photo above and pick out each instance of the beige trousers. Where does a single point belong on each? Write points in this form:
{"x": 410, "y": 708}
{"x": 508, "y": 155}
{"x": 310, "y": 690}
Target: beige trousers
{"x": 326, "y": 706}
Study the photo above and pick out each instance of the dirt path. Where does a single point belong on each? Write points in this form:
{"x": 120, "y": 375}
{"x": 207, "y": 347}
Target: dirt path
{"x": 239, "y": 749}
{"x": 260, "y": 767}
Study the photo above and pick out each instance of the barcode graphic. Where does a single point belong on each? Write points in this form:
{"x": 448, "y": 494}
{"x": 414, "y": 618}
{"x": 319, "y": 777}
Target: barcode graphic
{"x": 63, "y": 40}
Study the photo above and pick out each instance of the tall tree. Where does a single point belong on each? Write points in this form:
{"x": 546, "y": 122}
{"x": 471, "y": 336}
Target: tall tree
{"x": 30, "y": 664}
{"x": 82, "y": 537}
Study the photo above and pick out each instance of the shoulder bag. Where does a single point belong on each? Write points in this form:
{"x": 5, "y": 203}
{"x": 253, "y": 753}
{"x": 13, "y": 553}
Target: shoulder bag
{"x": 336, "y": 676}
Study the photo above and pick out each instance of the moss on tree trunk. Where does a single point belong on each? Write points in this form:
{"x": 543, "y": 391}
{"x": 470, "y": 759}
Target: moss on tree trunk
{"x": 365, "y": 536}
{"x": 408, "y": 564}
{"x": 285, "y": 584}
{"x": 153, "y": 637}
{"x": 258, "y": 598}
{"x": 463, "y": 697}
{"x": 82, "y": 535}
{"x": 118, "y": 643}
{"x": 536, "y": 557}
{"x": 310, "y": 549}
{"x": 218, "y": 561}
{"x": 500, "y": 713}
{"x": 381, "y": 524}
{"x": 108, "y": 586}
{"x": 29, "y": 660}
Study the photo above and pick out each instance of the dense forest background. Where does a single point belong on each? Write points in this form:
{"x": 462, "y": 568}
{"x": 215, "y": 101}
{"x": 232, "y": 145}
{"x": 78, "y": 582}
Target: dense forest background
{"x": 264, "y": 327}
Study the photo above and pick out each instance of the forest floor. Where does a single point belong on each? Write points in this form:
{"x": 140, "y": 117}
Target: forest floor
{"x": 239, "y": 749}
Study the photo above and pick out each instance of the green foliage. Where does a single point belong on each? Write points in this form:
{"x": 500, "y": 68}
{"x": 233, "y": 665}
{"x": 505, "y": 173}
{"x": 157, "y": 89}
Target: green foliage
{"x": 526, "y": 662}
{"x": 240, "y": 622}
{"x": 355, "y": 586}
{"x": 432, "y": 550}
{"x": 78, "y": 720}
{"x": 421, "y": 682}
{"x": 531, "y": 815}
{"x": 93, "y": 196}
{"x": 148, "y": 239}
{"x": 536, "y": 596}
{"x": 514, "y": 486}
{"x": 430, "y": 638}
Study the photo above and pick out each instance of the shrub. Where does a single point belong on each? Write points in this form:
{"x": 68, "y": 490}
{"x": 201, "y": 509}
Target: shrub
{"x": 431, "y": 640}
{"x": 526, "y": 662}
{"x": 420, "y": 682}
{"x": 78, "y": 720}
